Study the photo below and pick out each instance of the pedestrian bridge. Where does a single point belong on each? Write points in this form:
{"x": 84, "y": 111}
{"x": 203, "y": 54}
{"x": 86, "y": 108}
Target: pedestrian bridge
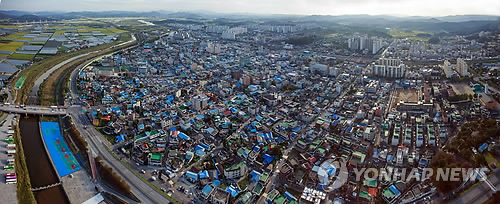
{"x": 33, "y": 110}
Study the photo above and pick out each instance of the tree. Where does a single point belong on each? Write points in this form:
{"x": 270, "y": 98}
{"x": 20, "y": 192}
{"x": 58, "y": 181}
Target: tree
{"x": 479, "y": 160}
{"x": 434, "y": 40}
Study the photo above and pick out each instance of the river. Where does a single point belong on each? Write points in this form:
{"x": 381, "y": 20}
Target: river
{"x": 39, "y": 165}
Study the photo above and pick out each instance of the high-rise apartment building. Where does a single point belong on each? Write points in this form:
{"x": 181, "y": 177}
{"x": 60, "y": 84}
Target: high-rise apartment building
{"x": 386, "y": 67}
{"x": 462, "y": 67}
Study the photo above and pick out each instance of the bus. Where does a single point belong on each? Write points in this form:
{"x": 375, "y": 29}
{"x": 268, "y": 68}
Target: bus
{"x": 9, "y": 141}
{"x": 10, "y": 180}
{"x": 11, "y": 146}
{"x": 10, "y": 174}
{"x": 11, "y": 151}
{"x": 8, "y": 167}
{"x": 11, "y": 177}
{"x": 11, "y": 161}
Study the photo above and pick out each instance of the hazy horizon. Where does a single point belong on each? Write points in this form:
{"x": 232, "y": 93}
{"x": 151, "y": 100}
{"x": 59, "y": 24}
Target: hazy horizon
{"x": 290, "y": 7}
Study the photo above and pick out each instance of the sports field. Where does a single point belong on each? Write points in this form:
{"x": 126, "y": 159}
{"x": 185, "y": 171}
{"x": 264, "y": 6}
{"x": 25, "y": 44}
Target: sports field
{"x": 20, "y": 82}
{"x": 64, "y": 161}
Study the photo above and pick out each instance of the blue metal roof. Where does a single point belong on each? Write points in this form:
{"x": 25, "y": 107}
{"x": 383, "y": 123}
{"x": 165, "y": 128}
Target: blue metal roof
{"x": 192, "y": 175}
{"x": 207, "y": 189}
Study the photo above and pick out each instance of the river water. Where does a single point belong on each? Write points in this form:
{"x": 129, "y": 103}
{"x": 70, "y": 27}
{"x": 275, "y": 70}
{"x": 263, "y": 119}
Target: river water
{"x": 39, "y": 165}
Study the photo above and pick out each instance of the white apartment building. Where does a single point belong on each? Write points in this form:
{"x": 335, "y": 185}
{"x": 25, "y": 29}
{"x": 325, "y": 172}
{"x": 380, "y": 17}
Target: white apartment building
{"x": 385, "y": 67}
{"x": 462, "y": 67}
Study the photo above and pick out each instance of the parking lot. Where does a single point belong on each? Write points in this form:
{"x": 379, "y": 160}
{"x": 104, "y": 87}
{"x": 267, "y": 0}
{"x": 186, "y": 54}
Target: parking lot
{"x": 7, "y": 191}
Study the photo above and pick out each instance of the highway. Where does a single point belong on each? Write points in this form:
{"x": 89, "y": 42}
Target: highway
{"x": 32, "y": 110}
{"x": 480, "y": 192}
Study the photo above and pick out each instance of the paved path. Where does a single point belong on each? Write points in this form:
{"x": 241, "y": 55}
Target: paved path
{"x": 36, "y": 87}
{"x": 33, "y": 97}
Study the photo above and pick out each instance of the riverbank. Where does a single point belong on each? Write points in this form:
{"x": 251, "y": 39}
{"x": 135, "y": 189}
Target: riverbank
{"x": 51, "y": 88}
{"x": 38, "y": 165}
{"x": 24, "y": 193}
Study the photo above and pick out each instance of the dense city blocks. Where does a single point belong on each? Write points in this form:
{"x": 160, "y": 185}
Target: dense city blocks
{"x": 155, "y": 106}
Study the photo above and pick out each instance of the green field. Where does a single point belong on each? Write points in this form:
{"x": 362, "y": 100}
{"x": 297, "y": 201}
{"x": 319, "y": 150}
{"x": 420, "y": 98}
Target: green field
{"x": 11, "y": 46}
{"x": 411, "y": 35}
{"x": 86, "y": 29}
{"x": 9, "y": 26}
{"x": 59, "y": 32}
{"x": 21, "y": 56}
{"x": 16, "y": 35}
{"x": 20, "y": 82}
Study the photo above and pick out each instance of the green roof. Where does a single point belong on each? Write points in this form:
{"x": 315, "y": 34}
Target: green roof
{"x": 388, "y": 193}
{"x": 264, "y": 176}
{"x": 321, "y": 150}
{"x": 155, "y": 156}
{"x": 365, "y": 195}
{"x": 258, "y": 188}
{"x": 302, "y": 142}
{"x": 243, "y": 149}
{"x": 370, "y": 183}
{"x": 358, "y": 157}
{"x": 153, "y": 132}
{"x": 280, "y": 200}
{"x": 235, "y": 166}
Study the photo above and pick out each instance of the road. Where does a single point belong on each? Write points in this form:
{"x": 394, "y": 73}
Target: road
{"x": 33, "y": 97}
{"x": 142, "y": 190}
{"x": 274, "y": 178}
{"x": 33, "y": 110}
{"x": 479, "y": 193}
{"x": 491, "y": 89}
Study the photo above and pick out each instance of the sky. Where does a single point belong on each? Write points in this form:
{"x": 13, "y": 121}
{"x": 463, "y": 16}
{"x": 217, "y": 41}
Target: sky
{"x": 301, "y": 7}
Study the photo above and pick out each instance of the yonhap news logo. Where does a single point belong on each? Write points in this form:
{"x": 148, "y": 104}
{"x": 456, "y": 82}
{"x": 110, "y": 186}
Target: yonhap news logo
{"x": 337, "y": 174}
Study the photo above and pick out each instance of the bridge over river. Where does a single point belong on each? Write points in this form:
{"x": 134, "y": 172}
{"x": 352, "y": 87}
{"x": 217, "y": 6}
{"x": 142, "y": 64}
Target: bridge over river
{"x": 33, "y": 110}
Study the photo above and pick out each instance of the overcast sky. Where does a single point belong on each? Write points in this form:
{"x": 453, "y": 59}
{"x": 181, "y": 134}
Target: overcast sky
{"x": 324, "y": 7}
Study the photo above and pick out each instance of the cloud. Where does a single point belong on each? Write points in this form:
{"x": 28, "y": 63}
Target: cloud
{"x": 324, "y": 7}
